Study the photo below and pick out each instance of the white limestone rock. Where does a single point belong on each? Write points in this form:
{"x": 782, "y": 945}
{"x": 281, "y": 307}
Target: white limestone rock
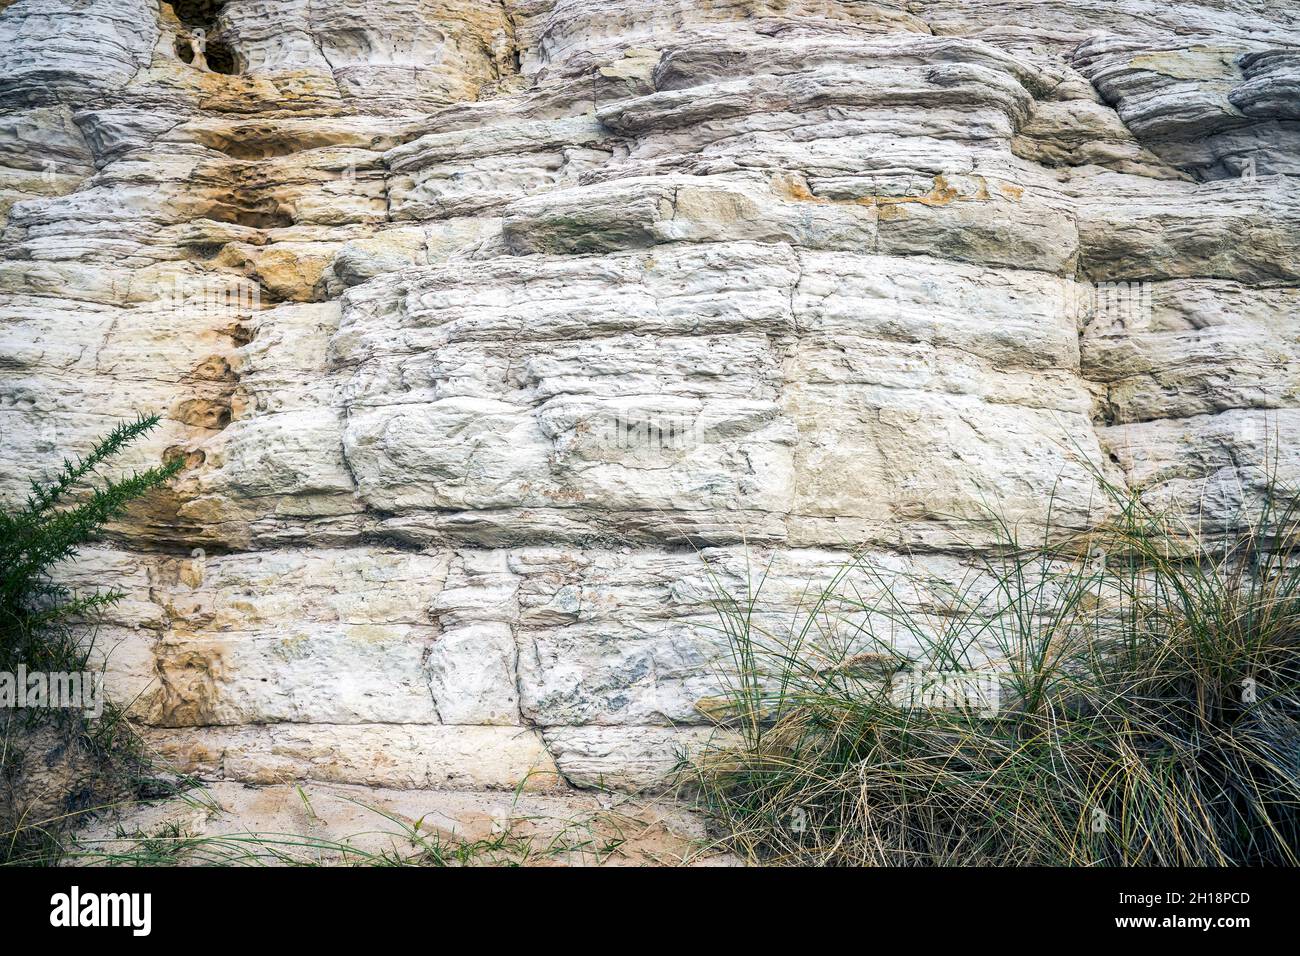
{"x": 474, "y": 321}
{"x": 406, "y": 757}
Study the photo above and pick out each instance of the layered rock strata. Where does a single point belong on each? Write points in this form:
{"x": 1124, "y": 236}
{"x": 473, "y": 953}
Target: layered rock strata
{"x": 482, "y": 325}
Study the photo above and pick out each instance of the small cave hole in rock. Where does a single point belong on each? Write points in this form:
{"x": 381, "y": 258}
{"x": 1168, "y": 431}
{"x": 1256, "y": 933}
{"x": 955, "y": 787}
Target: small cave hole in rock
{"x": 221, "y": 58}
{"x": 199, "y": 19}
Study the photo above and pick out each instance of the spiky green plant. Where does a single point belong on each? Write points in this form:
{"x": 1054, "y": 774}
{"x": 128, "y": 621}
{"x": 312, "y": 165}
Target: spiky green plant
{"x": 35, "y": 608}
{"x": 1149, "y": 710}
{"x": 46, "y": 626}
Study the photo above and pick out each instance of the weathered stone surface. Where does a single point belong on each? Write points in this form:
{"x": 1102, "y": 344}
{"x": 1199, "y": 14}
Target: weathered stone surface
{"x": 616, "y": 758}
{"x": 475, "y": 320}
{"x": 330, "y": 824}
{"x": 419, "y": 756}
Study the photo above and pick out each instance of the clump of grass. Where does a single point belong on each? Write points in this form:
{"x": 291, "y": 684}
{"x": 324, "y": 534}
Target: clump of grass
{"x": 1148, "y": 709}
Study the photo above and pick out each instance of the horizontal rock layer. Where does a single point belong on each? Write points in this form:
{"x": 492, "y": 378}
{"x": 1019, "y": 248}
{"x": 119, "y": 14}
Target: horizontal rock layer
{"x": 499, "y": 336}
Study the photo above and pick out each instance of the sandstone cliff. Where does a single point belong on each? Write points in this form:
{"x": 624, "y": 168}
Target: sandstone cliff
{"x": 475, "y": 319}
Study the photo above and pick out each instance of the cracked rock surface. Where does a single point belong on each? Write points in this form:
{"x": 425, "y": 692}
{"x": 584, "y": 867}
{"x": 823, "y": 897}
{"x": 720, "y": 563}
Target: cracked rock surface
{"x": 482, "y": 324}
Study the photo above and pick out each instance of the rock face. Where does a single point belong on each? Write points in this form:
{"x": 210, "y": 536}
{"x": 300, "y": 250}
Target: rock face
{"x": 478, "y": 322}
